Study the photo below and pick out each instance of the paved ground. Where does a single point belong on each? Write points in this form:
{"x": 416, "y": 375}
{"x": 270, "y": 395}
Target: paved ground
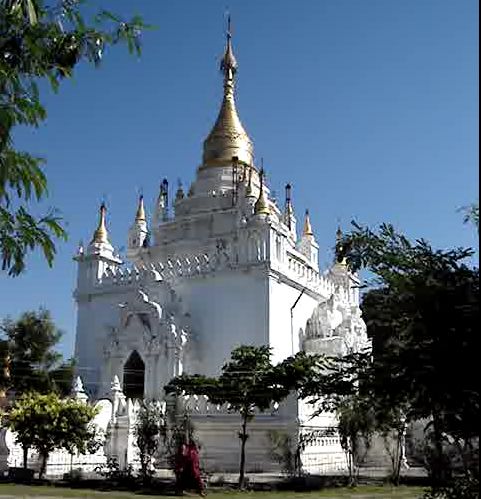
{"x": 8, "y": 491}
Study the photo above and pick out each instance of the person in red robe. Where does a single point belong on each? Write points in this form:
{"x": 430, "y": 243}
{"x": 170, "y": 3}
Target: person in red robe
{"x": 187, "y": 469}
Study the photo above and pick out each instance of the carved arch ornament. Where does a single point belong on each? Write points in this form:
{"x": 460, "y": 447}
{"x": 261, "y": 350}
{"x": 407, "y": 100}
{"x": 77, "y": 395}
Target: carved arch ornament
{"x": 146, "y": 326}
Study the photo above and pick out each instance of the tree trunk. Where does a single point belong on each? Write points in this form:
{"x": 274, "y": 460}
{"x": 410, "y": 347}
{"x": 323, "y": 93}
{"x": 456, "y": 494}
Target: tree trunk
{"x": 398, "y": 458}
{"x": 243, "y": 437}
{"x": 143, "y": 469}
{"x": 43, "y": 466}
{"x": 439, "y": 472}
{"x": 350, "y": 462}
{"x": 25, "y": 456}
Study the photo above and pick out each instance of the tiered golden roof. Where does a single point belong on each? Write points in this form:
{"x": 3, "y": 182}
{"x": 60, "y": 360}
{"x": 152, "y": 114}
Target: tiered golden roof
{"x": 228, "y": 137}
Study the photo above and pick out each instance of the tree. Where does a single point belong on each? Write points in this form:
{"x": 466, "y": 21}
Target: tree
{"x": 345, "y": 387}
{"x": 471, "y": 214}
{"x": 422, "y": 311}
{"x": 28, "y": 356}
{"x": 40, "y": 41}
{"x": 249, "y": 382}
{"x": 46, "y": 422}
{"x": 355, "y": 427}
{"x": 150, "y": 428}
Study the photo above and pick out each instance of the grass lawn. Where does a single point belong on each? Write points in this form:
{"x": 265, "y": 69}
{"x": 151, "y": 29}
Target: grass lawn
{"x": 363, "y": 492}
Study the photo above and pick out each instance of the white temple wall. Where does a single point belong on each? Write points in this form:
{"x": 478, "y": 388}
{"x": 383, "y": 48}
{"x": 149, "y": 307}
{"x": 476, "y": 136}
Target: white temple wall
{"x": 284, "y": 335}
{"x": 95, "y": 314}
{"x": 227, "y": 308}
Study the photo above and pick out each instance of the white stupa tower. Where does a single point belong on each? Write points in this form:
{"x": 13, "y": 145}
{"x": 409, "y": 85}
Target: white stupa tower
{"x": 220, "y": 266}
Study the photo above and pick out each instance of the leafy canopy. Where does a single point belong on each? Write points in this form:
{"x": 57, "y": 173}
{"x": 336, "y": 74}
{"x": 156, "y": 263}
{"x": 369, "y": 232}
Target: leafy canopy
{"x": 41, "y": 41}
{"x": 28, "y": 357}
{"x": 47, "y": 422}
{"x": 422, "y": 311}
{"x": 249, "y": 380}
{"x": 150, "y": 429}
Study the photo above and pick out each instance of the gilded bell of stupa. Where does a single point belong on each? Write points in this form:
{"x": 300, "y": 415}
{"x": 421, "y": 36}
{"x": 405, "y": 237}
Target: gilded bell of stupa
{"x": 228, "y": 137}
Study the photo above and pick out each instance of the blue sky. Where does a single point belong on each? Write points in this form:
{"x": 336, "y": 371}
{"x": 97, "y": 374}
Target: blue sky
{"x": 369, "y": 108}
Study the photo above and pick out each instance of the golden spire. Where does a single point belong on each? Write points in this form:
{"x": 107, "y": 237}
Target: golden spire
{"x": 140, "y": 215}
{"x": 262, "y": 206}
{"x": 228, "y": 137}
{"x": 100, "y": 235}
{"x": 307, "y": 231}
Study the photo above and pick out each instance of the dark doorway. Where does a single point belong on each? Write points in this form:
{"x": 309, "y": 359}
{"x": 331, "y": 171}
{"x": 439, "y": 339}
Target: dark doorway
{"x": 134, "y": 375}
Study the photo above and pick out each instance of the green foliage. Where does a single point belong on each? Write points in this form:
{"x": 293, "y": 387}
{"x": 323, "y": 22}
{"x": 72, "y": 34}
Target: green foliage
{"x": 112, "y": 472}
{"x": 149, "y": 431}
{"x": 28, "y": 355}
{"x": 466, "y": 487}
{"x": 248, "y": 382}
{"x": 422, "y": 311}
{"x": 356, "y": 425}
{"x": 471, "y": 214}
{"x": 283, "y": 451}
{"x": 41, "y": 41}
{"x": 46, "y": 422}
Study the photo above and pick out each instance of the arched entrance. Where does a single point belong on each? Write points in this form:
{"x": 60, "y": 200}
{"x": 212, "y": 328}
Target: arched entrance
{"x": 134, "y": 376}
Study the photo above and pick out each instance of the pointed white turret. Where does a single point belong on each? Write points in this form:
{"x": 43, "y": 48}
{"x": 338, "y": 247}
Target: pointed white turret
{"x": 138, "y": 233}
{"x": 307, "y": 244}
{"x": 99, "y": 254}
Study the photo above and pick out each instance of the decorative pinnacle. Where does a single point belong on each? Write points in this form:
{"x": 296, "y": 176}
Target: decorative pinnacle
{"x": 228, "y": 64}
{"x": 249, "y": 190}
{"x": 228, "y": 137}
{"x": 140, "y": 215}
{"x": 307, "y": 225}
{"x": 100, "y": 235}
{"x": 261, "y": 207}
{"x": 288, "y": 208}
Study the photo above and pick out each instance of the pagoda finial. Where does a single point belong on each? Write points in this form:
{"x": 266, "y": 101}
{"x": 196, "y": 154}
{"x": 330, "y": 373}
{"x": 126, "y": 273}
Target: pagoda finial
{"x": 140, "y": 214}
{"x": 228, "y": 64}
{"x": 100, "y": 235}
{"x": 307, "y": 231}
{"x": 228, "y": 137}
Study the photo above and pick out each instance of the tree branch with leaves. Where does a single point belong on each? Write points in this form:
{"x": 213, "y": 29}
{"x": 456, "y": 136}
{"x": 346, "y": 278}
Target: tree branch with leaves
{"x": 41, "y": 41}
{"x": 249, "y": 382}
